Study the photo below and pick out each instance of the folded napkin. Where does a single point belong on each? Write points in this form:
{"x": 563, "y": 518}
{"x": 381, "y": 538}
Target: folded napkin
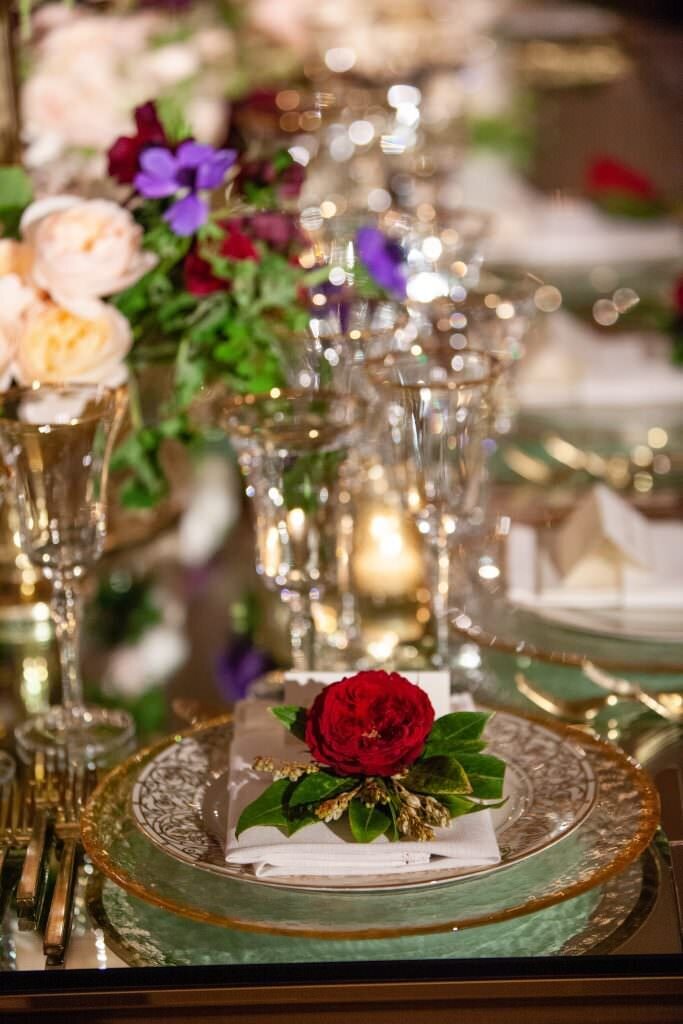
{"x": 605, "y": 555}
{"x": 323, "y": 850}
{"x": 535, "y": 230}
{"x": 573, "y": 364}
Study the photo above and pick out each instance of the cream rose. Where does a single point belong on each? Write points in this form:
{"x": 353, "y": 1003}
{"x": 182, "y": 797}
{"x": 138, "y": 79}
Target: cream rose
{"x": 15, "y": 258}
{"x": 84, "y": 249}
{"x": 16, "y": 300}
{"x": 56, "y": 346}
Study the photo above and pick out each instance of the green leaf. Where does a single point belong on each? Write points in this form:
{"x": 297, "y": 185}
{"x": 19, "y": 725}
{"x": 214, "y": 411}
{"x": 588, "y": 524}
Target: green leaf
{"x": 292, "y": 717}
{"x": 173, "y": 118}
{"x": 485, "y": 773}
{"x": 16, "y": 192}
{"x": 460, "y": 730}
{"x": 367, "y": 823}
{"x": 300, "y": 821}
{"x": 268, "y": 809}
{"x": 317, "y": 786}
{"x": 459, "y": 805}
{"x": 436, "y": 775}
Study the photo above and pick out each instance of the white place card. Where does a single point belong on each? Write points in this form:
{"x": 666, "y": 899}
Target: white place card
{"x": 303, "y": 687}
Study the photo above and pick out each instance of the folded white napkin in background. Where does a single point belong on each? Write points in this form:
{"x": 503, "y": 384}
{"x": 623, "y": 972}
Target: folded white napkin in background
{"x": 605, "y": 554}
{"x": 319, "y": 849}
{"x": 573, "y": 364}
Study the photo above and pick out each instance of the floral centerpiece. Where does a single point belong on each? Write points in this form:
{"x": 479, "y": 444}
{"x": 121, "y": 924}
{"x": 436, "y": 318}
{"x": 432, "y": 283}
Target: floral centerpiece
{"x": 378, "y": 755}
{"x": 198, "y": 268}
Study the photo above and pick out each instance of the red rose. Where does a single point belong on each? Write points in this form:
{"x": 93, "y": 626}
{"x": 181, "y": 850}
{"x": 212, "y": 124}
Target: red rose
{"x": 608, "y": 175}
{"x": 235, "y": 244}
{"x": 678, "y": 296}
{"x": 198, "y": 276}
{"x": 373, "y": 723}
{"x": 124, "y": 155}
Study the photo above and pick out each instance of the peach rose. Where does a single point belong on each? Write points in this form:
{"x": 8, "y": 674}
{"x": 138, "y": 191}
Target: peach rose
{"x": 55, "y": 345}
{"x": 16, "y": 299}
{"x": 15, "y": 258}
{"x": 84, "y": 249}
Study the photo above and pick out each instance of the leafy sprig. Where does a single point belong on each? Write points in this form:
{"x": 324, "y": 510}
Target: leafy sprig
{"x": 452, "y": 777}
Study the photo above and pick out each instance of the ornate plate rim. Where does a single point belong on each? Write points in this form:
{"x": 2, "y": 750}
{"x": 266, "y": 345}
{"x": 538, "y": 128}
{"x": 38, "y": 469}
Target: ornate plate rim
{"x": 638, "y": 843}
{"x": 394, "y": 883}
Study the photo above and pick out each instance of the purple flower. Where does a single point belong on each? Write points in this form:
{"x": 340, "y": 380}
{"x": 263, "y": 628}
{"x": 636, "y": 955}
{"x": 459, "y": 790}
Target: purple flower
{"x": 383, "y": 260}
{"x": 191, "y": 170}
{"x": 239, "y": 665}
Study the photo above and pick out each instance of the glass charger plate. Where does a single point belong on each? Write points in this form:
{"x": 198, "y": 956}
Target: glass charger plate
{"x": 597, "y": 921}
{"x": 180, "y": 802}
{"x": 617, "y": 830}
{"x": 491, "y": 620}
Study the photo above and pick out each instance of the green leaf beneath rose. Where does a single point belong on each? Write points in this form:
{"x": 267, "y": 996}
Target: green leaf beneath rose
{"x": 268, "y": 809}
{"x": 319, "y": 786}
{"x": 460, "y": 730}
{"x": 437, "y": 775}
{"x": 367, "y": 823}
{"x": 292, "y": 717}
{"x": 485, "y": 773}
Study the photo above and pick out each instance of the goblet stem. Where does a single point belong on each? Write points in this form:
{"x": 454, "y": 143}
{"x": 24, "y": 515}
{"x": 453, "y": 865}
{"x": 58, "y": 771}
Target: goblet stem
{"x": 302, "y": 631}
{"x": 66, "y": 608}
{"x": 441, "y": 592}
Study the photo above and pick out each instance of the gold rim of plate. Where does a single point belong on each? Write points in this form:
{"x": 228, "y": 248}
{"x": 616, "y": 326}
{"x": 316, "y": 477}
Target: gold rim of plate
{"x": 649, "y": 820}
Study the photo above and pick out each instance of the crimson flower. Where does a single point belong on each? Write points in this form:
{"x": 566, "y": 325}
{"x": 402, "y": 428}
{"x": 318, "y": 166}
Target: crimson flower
{"x": 608, "y": 175}
{"x": 124, "y": 155}
{"x": 373, "y": 723}
{"x": 198, "y": 274}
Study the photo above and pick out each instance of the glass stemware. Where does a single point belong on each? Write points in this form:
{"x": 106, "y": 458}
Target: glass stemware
{"x": 293, "y": 449}
{"x": 437, "y": 407}
{"x": 56, "y": 442}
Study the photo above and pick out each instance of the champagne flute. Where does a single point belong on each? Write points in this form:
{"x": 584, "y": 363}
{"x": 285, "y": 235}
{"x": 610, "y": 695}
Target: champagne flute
{"x": 56, "y": 441}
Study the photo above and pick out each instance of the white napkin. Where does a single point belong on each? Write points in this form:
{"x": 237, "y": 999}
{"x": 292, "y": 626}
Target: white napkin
{"x": 535, "y": 230}
{"x": 606, "y": 555}
{"x": 574, "y": 364}
{"x": 318, "y": 849}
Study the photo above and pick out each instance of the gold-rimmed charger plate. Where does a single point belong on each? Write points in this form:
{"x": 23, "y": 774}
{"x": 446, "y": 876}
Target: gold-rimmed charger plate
{"x": 180, "y": 802}
{"x": 618, "y": 829}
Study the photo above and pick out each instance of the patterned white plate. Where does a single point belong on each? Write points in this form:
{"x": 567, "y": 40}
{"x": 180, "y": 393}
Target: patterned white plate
{"x": 179, "y": 802}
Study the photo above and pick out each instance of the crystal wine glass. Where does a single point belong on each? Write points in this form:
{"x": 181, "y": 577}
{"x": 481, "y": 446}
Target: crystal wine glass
{"x": 56, "y": 441}
{"x": 293, "y": 449}
{"x": 436, "y": 403}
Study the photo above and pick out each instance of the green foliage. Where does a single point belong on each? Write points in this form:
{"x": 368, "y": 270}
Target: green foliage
{"x": 485, "y": 774}
{"x": 16, "y": 192}
{"x": 456, "y": 732}
{"x": 317, "y": 786}
{"x": 438, "y": 775}
{"x": 292, "y": 717}
{"x": 367, "y": 823}
{"x": 624, "y": 204}
{"x": 270, "y": 808}
{"x": 224, "y": 336}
